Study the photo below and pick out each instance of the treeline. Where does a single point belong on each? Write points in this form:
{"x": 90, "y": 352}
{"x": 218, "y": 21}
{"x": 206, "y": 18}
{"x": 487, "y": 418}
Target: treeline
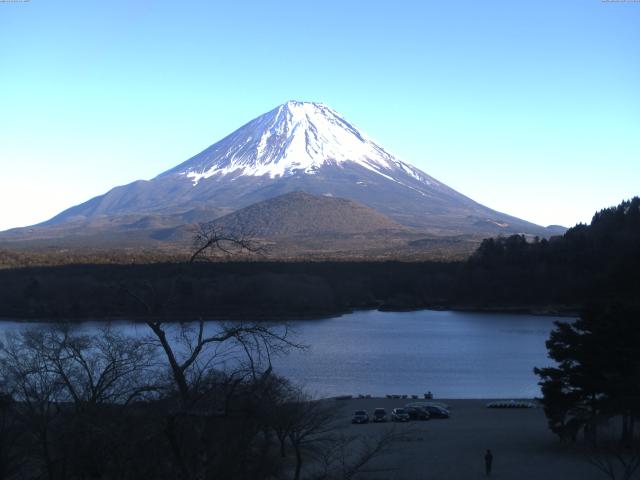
{"x": 18, "y": 258}
{"x": 587, "y": 263}
{"x": 235, "y": 290}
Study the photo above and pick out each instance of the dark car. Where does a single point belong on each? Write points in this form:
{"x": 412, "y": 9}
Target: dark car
{"x": 360, "y": 416}
{"x": 400, "y": 415}
{"x": 379, "y": 415}
{"x": 436, "y": 412}
{"x": 417, "y": 413}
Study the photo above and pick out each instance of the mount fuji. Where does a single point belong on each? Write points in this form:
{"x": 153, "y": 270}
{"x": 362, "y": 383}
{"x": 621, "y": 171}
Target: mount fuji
{"x": 298, "y": 146}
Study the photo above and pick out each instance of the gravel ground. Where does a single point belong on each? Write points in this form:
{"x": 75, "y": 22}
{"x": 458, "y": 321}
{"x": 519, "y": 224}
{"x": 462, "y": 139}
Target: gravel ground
{"x": 522, "y": 446}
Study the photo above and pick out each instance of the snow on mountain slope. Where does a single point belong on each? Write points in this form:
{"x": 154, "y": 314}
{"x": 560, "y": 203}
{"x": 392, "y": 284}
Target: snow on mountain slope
{"x": 296, "y": 136}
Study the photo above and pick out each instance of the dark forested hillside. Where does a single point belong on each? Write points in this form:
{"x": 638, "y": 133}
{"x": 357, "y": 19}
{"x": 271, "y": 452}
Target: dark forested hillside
{"x": 229, "y": 289}
{"x": 600, "y": 261}
{"x": 592, "y": 262}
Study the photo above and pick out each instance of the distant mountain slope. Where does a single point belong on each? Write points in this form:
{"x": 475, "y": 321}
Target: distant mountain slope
{"x": 301, "y": 146}
{"x": 302, "y": 214}
{"x": 294, "y": 225}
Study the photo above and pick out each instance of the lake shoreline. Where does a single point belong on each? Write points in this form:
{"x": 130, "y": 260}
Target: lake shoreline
{"x": 269, "y": 290}
{"x": 549, "y": 311}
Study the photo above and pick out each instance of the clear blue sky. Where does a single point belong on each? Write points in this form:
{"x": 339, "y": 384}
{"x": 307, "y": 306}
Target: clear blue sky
{"x": 532, "y": 108}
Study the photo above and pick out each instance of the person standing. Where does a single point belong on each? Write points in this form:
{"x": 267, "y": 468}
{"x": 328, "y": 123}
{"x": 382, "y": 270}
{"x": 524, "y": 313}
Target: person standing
{"x": 488, "y": 461}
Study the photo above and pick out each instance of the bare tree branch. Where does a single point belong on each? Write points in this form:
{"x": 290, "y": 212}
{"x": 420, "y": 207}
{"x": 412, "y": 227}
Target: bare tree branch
{"x": 213, "y": 237}
{"x": 615, "y": 459}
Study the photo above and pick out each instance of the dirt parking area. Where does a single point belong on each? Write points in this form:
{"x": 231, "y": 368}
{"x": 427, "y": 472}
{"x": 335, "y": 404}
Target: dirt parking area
{"x": 445, "y": 449}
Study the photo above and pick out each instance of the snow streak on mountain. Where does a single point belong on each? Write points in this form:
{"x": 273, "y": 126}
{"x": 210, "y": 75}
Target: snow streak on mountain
{"x": 296, "y": 136}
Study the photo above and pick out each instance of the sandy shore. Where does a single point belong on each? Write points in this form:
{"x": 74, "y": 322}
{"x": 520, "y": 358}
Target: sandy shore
{"x": 522, "y": 445}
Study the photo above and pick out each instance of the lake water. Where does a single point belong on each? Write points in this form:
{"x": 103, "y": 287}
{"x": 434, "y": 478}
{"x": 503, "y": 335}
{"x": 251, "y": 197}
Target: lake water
{"x": 452, "y": 354}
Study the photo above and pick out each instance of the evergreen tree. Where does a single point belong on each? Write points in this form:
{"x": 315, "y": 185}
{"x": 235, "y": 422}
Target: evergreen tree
{"x": 598, "y": 371}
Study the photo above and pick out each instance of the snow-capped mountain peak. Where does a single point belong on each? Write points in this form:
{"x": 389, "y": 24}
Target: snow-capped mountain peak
{"x": 295, "y": 137}
{"x": 297, "y": 147}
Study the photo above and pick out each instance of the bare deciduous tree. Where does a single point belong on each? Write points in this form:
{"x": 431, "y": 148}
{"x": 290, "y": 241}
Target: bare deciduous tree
{"x": 212, "y": 237}
{"x": 64, "y": 382}
{"x": 311, "y": 429}
{"x": 29, "y": 380}
{"x": 12, "y": 458}
{"x": 201, "y": 357}
{"x": 107, "y": 368}
{"x": 347, "y": 456}
{"x": 618, "y": 460}
{"x": 322, "y": 450}
{"x": 191, "y": 351}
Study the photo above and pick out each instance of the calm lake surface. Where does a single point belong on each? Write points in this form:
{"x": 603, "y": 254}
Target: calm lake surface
{"x": 452, "y": 354}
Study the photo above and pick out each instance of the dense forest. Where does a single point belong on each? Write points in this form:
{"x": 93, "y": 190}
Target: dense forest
{"x": 587, "y": 263}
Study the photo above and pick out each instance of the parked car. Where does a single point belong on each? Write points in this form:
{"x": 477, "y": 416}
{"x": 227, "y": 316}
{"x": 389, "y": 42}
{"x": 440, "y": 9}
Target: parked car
{"x": 400, "y": 415}
{"x": 379, "y": 415}
{"x": 436, "y": 412}
{"x": 428, "y": 403}
{"x": 417, "y": 412}
{"x": 360, "y": 416}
